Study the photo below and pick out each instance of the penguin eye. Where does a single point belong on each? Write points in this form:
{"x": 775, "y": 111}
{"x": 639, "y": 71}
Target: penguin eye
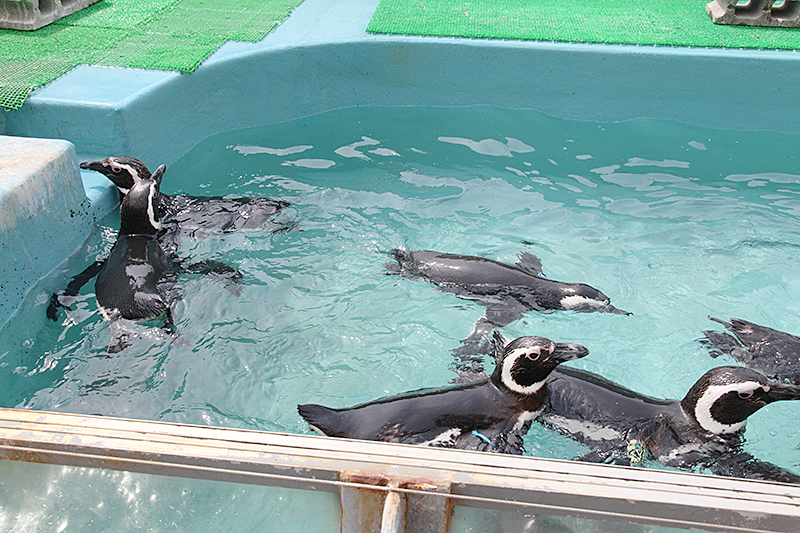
{"x": 746, "y": 395}
{"x": 534, "y": 354}
{"x": 116, "y": 170}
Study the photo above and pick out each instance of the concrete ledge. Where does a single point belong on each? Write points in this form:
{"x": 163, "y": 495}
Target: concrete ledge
{"x": 44, "y": 212}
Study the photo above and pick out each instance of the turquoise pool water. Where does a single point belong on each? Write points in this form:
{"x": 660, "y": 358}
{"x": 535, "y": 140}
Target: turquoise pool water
{"x": 673, "y": 222}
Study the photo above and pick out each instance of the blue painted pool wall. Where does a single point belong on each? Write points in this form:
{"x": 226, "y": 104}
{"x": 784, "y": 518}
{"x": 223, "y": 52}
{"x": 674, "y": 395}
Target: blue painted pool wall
{"x": 321, "y": 58}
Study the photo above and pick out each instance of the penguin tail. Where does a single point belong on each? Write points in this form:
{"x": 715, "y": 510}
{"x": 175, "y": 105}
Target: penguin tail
{"x": 719, "y": 343}
{"x": 121, "y": 338}
{"x": 320, "y": 419}
{"x": 404, "y": 259}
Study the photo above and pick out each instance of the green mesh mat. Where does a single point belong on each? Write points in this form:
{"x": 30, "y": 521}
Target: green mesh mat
{"x": 650, "y": 22}
{"x": 153, "y": 34}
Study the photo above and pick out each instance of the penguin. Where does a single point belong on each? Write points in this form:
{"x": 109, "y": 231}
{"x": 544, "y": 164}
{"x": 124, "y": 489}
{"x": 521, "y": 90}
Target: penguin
{"x": 506, "y": 291}
{"x": 773, "y": 353}
{"x": 136, "y": 281}
{"x": 129, "y": 284}
{"x": 185, "y": 215}
{"x": 490, "y": 414}
{"x": 704, "y": 429}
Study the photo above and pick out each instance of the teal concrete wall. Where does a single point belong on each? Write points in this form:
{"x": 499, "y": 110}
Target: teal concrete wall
{"x": 321, "y": 58}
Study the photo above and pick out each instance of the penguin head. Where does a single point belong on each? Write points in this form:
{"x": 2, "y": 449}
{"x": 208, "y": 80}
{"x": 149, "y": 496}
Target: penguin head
{"x": 584, "y": 298}
{"x": 122, "y": 170}
{"x": 722, "y": 399}
{"x": 139, "y": 209}
{"x": 524, "y": 363}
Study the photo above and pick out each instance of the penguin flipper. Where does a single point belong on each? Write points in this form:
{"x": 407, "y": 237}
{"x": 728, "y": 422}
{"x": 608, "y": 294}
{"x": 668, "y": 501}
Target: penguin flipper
{"x": 531, "y": 264}
{"x": 66, "y": 297}
{"x": 498, "y": 440}
{"x": 220, "y": 272}
{"x": 743, "y": 465}
{"x": 121, "y": 337}
{"x": 502, "y": 314}
{"x": 322, "y": 419}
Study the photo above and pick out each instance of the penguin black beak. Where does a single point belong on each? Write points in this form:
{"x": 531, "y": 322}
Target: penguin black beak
{"x": 781, "y": 391}
{"x": 569, "y": 351}
{"x": 97, "y": 166}
{"x": 614, "y": 310}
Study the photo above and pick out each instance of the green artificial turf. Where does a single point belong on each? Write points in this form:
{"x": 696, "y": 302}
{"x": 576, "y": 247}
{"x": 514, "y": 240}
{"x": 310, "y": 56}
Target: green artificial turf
{"x": 637, "y": 22}
{"x": 154, "y": 34}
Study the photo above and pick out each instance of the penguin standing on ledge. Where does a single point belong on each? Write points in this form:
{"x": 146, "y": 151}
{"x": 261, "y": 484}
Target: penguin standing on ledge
{"x": 136, "y": 281}
{"x": 705, "y": 428}
{"x": 774, "y": 353}
{"x": 185, "y": 215}
{"x": 490, "y": 414}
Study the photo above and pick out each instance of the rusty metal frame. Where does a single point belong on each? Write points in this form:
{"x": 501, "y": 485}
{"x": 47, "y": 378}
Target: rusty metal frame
{"x": 604, "y": 492}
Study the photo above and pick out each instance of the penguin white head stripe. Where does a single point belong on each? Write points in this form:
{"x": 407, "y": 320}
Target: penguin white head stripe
{"x": 139, "y": 209}
{"x": 527, "y": 361}
{"x": 722, "y": 399}
{"x": 703, "y": 408}
{"x": 122, "y": 170}
{"x": 152, "y": 199}
{"x": 117, "y": 167}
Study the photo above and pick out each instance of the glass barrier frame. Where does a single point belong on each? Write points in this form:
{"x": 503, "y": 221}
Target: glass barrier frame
{"x": 491, "y": 481}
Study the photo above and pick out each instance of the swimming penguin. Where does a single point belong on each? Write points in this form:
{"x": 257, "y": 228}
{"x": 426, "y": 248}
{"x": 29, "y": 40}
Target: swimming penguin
{"x": 183, "y": 214}
{"x": 489, "y": 414}
{"x": 136, "y": 281}
{"x": 507, "y": 291}
{"x": 774, "y": 353}
{"x": 704, "y": 429}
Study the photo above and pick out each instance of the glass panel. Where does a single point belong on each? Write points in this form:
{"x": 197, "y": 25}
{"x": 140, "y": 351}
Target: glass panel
{"x": 474, "y": 520}
{"x": 35, "y": 497}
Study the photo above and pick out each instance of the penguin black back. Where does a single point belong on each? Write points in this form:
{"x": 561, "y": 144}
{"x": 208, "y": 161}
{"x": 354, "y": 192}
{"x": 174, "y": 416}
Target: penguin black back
{"x": 519, "y": 287}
